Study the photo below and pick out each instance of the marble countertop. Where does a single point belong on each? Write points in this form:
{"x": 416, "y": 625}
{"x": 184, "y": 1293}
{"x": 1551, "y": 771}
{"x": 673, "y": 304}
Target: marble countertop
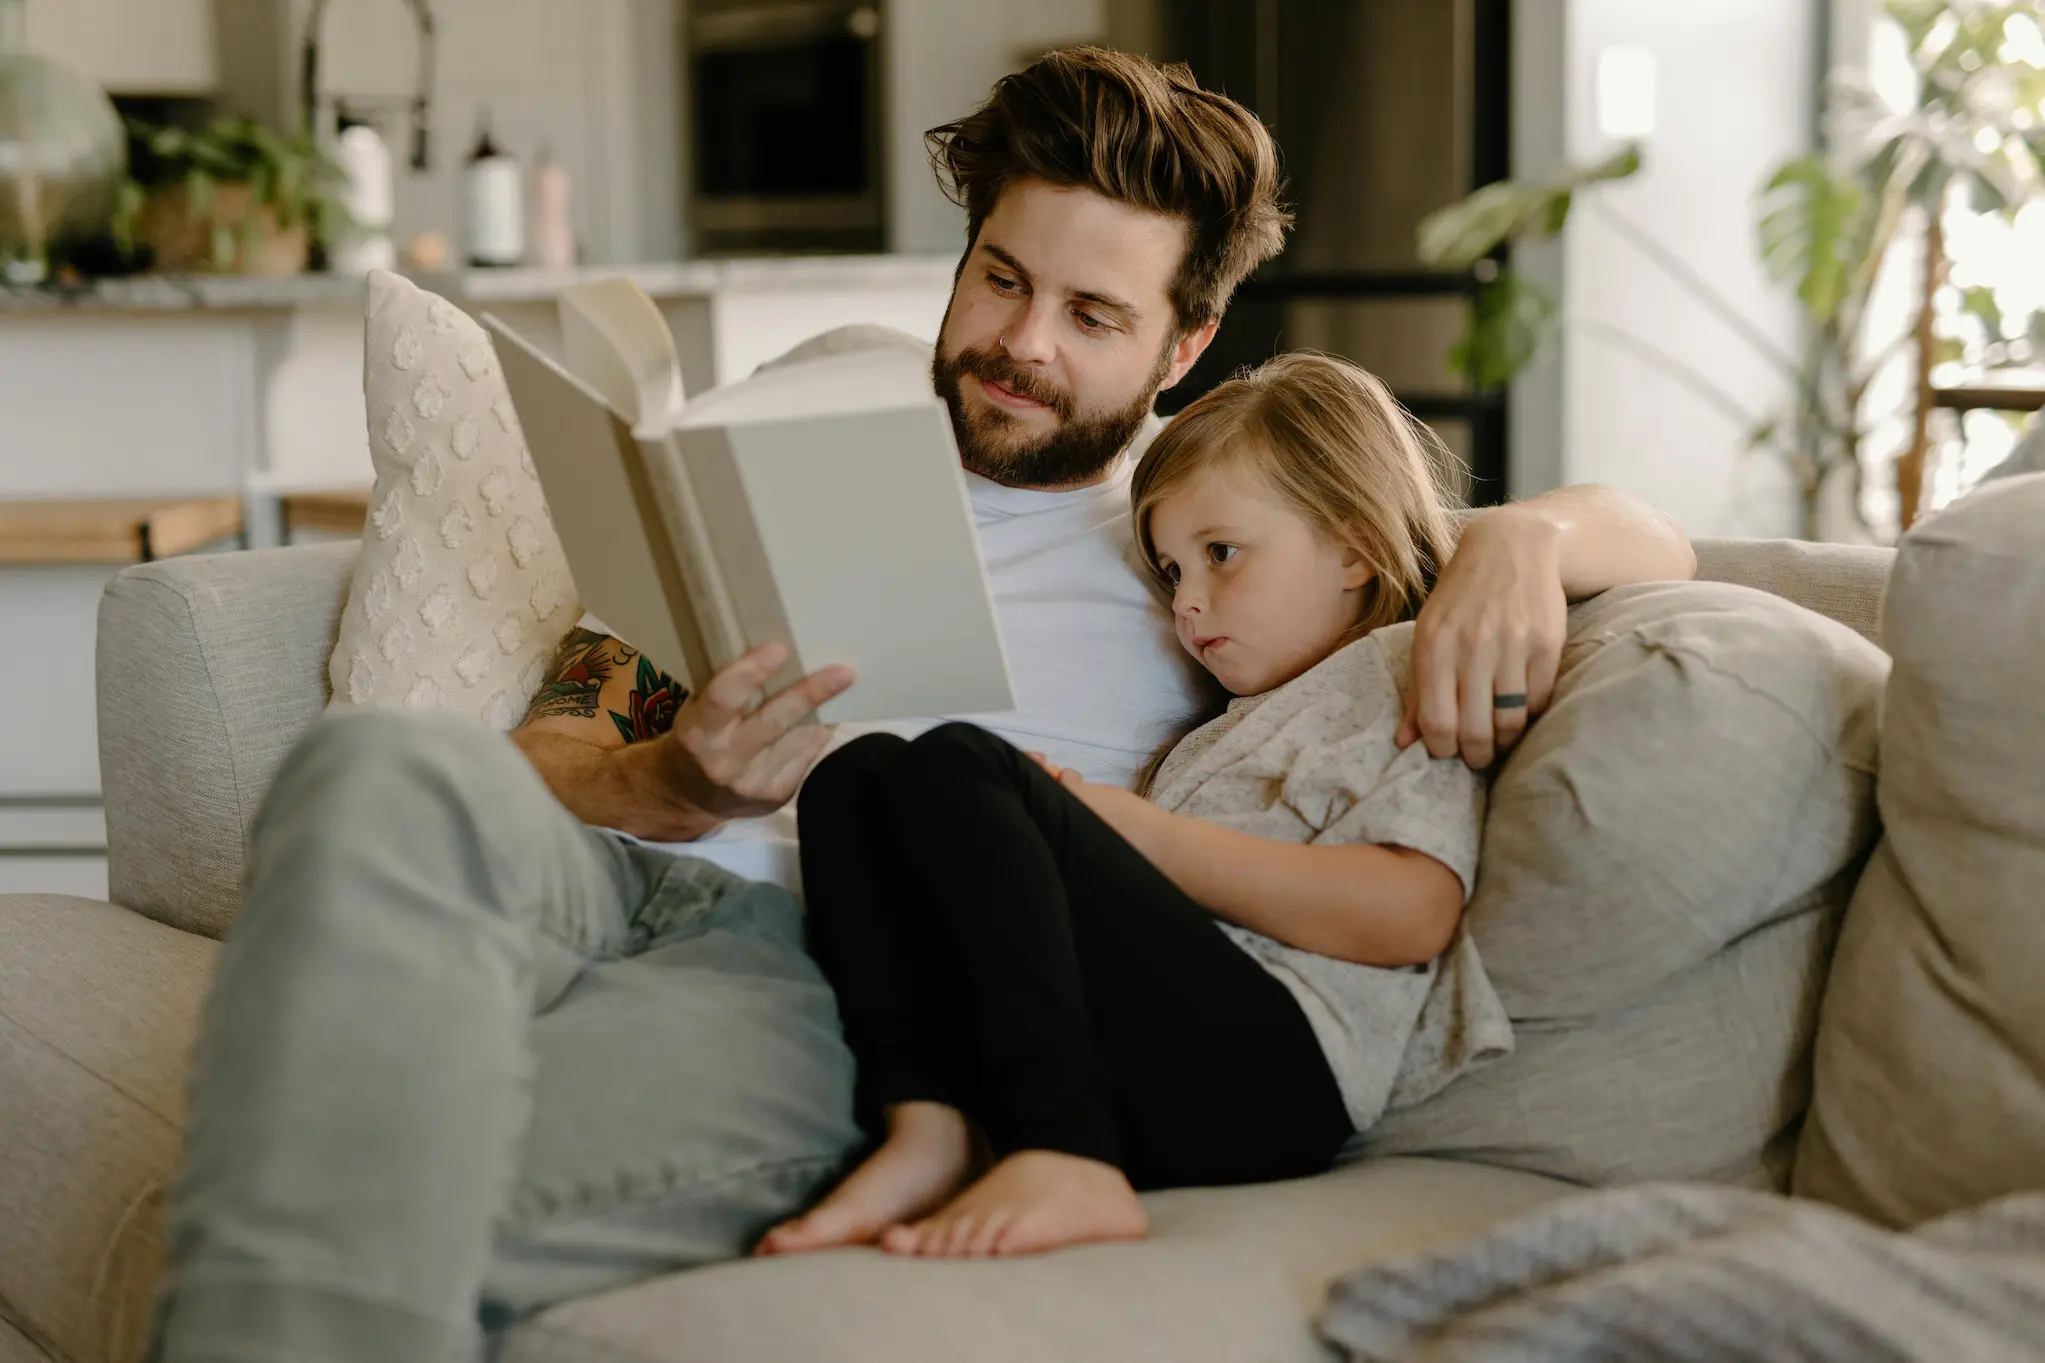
{"x": 673, "y": 279}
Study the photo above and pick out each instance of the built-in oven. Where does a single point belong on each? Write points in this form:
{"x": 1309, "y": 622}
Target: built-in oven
{"x": 785, "y": 126}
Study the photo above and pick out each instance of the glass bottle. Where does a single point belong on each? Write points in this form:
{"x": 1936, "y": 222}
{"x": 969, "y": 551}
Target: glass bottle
{"x": 62, "y": 153}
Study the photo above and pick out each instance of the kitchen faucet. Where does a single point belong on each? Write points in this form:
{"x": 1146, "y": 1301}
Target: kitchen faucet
{"x": 422, "y": 94}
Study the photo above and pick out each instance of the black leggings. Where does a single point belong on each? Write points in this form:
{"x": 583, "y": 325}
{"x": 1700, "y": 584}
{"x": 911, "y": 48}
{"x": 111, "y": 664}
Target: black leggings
{"x": 997, "y": 947}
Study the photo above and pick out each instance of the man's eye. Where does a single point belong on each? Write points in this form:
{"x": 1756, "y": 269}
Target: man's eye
{"x": 1004, "y": 285}
{"x": 1089, "y": 322}
{"x": 1221, "y": 553}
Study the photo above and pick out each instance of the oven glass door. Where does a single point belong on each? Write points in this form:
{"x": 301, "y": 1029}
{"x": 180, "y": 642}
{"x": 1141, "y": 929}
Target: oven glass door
{"x": 786, "y": 131}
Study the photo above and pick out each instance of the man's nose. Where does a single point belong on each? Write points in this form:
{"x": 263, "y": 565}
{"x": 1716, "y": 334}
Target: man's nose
{"x": 1029, "y": 338}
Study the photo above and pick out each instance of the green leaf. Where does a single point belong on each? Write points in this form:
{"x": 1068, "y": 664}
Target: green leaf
{"x": 1618, "y": 166}
{"x": 1979, "y": 301}
{"x": 128, "y": 202}
{"x": 1948, "y": 350}
{"x": 1507, "y": 321}
{"x": 198, "y": 193}
{"x": 1916, "y": 18}
{"x": 1812, "y": 234}
{"x": 1460, "y": 235}
{"x": 1463, "y": 233}
{"x": 1555, "y": 213}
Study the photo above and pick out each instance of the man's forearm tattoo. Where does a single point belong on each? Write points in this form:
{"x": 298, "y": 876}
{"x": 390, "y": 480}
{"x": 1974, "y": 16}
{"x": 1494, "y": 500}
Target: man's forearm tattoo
{"x": 650, "y": 705}
{"x": 575, "y": 681}
{"x": 581, "y": 666}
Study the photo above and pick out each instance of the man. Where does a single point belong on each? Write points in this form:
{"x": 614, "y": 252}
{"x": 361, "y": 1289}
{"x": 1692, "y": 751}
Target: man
{"x": 468, "y": 1053}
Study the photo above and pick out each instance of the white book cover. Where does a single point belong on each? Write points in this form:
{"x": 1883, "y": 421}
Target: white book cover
{"x": 820, "y": 505}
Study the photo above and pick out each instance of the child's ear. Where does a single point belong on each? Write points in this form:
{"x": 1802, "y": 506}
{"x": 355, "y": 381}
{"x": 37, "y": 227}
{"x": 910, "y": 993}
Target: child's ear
{"x": 1356, "y": 570}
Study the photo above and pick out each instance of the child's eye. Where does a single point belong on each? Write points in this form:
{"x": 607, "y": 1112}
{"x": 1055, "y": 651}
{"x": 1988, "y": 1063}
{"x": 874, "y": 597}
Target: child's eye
{"x": 1221, "y": 553}
{"x": 1171, "y": 573}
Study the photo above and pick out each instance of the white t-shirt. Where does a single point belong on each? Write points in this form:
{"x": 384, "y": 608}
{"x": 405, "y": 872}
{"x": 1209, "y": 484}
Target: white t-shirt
{"x": 1100, "y": 679}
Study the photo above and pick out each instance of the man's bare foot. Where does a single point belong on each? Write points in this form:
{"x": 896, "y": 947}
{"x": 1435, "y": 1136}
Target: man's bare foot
{"x": 927, "y": 1157}
{"x": 1034, "y": 1200}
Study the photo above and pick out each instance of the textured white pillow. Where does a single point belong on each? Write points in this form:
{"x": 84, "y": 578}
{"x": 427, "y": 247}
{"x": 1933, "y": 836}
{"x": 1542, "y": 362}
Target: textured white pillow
{"x": 461, "y": 592}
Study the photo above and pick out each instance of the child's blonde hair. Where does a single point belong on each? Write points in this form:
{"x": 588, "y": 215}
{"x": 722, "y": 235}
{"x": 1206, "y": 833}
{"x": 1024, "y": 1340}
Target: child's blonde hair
{"x": 1332, "y": 441}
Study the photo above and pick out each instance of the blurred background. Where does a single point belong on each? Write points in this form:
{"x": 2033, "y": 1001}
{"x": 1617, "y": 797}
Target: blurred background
{"x": 1775, "y": 265}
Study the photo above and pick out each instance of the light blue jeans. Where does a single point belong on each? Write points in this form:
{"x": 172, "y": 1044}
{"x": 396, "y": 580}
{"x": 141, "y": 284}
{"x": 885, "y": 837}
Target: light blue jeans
{"x": 465, "y": 1056}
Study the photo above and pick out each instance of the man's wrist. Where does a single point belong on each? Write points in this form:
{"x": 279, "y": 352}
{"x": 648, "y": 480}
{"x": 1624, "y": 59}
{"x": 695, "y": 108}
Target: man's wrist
{"x": 671, "y": 815}
{"x": 1526, "y": 527}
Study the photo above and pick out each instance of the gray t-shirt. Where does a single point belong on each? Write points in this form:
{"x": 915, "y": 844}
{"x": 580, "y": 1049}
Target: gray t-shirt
{"x": 1314, "y": 761}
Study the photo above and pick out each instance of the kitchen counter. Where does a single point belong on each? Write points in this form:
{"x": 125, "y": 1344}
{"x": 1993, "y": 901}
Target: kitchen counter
{"x": 672, "y": 279}
{"x": 244, "y": 392}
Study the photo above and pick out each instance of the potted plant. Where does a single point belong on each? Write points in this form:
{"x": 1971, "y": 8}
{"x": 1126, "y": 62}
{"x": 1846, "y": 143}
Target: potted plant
{"x": 235, "y": 196}
{"x": 1827, "y": 223}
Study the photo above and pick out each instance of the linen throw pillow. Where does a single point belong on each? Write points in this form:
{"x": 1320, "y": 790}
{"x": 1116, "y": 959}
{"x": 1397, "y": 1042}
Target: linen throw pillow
{"x": 1930, "y": 1082}
{"x": 461, "y": 592}
{"x": 1666, "y": 857}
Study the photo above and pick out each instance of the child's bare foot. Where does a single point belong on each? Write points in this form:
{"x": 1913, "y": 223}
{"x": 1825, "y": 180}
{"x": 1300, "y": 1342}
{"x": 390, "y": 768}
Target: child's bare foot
{"x": 1034, "y": 1200}
{"x": 927, "y": 1157}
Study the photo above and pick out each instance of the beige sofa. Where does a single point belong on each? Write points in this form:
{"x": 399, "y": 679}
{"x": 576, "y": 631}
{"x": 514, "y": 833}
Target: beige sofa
{"x": 209, "y": 669}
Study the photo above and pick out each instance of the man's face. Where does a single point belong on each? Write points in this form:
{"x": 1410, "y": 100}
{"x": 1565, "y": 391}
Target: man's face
{"x": 1060, "y": 333}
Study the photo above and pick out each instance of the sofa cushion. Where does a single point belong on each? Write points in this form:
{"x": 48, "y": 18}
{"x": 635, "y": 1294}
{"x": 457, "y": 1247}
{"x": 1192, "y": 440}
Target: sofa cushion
{"x": 1665, "y": 858}
{"x": 1228, "y": 1274}
{"x": 98, "y": 1007}
{"x": 462, "y": 591}
{"x": 1930, "y": 1084}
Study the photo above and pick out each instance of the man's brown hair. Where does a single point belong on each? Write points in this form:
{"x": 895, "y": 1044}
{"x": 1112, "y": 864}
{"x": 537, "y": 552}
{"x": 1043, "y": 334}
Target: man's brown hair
{"x": 1137, "y": 132}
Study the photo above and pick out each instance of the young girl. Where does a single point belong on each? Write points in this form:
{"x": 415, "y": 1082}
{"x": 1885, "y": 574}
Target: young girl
{"x": 1059, "y": 992}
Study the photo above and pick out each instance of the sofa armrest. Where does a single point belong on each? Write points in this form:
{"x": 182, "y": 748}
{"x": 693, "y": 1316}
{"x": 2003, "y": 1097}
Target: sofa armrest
{"x": 210, "y": 667}
{"x": 1843, "y": 581}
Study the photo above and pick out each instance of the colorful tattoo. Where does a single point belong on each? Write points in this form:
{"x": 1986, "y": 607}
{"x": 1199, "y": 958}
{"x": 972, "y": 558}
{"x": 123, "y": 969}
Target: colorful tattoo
{"x": 581, "y": 665}
{"x": 651, "y": 704}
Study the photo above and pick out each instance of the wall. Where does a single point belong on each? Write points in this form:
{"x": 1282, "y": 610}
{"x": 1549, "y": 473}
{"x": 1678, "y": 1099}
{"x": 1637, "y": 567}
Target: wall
{"x": 941, "y": 57}
{"x": 1735, "y": 94}
{"x": 149, "y": 47}
{"x": 594, "y": 80}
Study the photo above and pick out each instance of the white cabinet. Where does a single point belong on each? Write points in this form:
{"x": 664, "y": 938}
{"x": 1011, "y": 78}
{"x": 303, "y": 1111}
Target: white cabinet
{"x": 144, "y": 47}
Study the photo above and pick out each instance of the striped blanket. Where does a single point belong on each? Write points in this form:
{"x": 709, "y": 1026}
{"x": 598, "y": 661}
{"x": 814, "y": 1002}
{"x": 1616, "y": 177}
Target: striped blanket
{"x": 1682, "y": 1274}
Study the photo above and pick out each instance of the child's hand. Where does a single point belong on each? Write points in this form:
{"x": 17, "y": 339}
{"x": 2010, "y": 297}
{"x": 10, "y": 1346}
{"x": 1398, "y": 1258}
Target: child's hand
{"x": 1112, "y": 804}
{"x": 1058, "y": 773}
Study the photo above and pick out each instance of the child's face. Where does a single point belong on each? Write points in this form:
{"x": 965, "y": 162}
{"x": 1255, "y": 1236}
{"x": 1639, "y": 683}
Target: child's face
{"x": 1261, "y": 595}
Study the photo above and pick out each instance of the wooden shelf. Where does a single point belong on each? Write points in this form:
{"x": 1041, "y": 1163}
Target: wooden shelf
{"x": 123, "y": 530}
{"x": 2028, "y": 399}
{"x": 342, "y": 512}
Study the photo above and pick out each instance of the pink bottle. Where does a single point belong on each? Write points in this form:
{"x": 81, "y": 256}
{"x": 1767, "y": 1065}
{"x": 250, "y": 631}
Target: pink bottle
{"x": 552, "y": 241}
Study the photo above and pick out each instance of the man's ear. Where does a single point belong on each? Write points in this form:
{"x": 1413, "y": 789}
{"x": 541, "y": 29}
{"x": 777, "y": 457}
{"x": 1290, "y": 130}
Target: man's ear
{"x": 1191, "y": 346}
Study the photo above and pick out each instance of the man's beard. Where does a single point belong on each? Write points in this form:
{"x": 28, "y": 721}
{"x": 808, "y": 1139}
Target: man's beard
{"x": 1074, "y": 453}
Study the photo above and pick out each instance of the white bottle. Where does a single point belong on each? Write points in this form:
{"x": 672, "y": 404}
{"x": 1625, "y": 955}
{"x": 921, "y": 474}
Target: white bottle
{"x": 368, "y": 198}
{"x": 493, "y": 196}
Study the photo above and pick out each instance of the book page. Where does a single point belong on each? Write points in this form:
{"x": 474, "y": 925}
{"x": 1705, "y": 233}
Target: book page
{"x": 616, "y": 341}
{"x": 619, "y": 550}
{"x": 864, "y": 525}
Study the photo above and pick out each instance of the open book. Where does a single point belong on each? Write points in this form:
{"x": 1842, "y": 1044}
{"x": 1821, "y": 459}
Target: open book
{"x": 820, "y": 505}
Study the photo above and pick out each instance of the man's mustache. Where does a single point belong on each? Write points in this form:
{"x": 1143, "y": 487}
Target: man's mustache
{"x": 989, "y": 367}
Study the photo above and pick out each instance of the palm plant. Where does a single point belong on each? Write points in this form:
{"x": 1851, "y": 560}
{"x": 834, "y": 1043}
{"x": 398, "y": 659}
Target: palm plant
{"x": 1827, "y": 224}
